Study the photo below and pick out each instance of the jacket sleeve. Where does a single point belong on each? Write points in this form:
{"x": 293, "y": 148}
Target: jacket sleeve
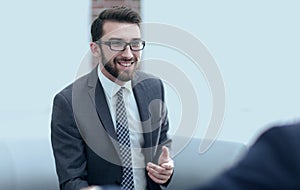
{"x": 68, "y": 145}
{"x": 164, "y": 140}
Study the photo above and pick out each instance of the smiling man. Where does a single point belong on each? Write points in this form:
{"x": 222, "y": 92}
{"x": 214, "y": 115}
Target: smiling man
{"x": 110, "y": 126}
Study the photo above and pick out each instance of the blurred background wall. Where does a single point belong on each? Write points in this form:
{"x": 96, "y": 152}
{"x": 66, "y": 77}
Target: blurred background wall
{"x": 255, "y": 45}
{"x": 42, "y": 43}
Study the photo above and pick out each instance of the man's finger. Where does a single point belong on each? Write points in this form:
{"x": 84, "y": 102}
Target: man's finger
{"x": 155, "y": 167}
{"x": 165, "y": 153}
{"x": 168, "y": 165}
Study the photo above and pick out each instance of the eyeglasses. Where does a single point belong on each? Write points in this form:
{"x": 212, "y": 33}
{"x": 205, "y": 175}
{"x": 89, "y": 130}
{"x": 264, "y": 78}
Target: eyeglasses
{"x": 120, "y": 45}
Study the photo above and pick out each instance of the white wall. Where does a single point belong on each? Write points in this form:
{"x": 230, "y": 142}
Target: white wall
{"x": 256, "y": 47}
{"x": 254, "y": 43}
{"x": 42, "y": 44}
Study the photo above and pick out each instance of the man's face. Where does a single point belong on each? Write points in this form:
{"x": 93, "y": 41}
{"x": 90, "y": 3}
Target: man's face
{"x": 119, "y": 65}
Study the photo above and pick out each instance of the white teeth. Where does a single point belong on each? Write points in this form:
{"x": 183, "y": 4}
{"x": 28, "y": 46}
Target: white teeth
{"x": 125, "y": 64}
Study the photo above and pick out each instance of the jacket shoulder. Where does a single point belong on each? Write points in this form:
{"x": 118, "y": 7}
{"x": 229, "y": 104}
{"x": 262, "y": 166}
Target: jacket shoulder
{"x": 68, "y": 90}
{"x": 146, "y": 79}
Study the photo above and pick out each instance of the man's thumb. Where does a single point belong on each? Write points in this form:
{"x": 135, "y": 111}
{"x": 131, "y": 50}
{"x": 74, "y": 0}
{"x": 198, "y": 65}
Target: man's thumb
{"x": 165, "y": 154}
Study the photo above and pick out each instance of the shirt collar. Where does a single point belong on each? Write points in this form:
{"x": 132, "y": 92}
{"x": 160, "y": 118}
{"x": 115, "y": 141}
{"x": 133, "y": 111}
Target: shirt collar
{"x": 111, "y": 88}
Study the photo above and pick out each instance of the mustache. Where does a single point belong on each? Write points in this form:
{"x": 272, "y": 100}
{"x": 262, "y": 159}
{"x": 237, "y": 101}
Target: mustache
{"x": 126, "y": 59}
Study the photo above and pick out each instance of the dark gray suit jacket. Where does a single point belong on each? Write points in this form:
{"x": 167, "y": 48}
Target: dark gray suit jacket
{"x": 83, "y": 137}
{"x": 273, "y": 162}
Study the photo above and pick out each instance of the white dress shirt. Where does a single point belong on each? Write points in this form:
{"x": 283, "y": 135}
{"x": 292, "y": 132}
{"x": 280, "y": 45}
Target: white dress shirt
{"x": 134, "y": 124}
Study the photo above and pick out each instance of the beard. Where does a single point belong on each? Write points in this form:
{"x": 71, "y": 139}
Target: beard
{"x": 122, "y": 75}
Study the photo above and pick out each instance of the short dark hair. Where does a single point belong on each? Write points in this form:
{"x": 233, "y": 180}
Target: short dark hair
{"x": 119, "y": 14}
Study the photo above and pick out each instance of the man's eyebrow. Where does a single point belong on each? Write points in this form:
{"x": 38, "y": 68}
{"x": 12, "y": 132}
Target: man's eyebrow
{"x": 123, "y": 39}
{"x": 115, "y": 39}
{"x": 136, "y": 38}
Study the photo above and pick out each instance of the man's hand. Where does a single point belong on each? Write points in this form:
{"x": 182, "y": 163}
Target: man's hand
{"x": 105, "y": 187}
{"x": 162, "y": 172}
{"x": 91, "y": 188}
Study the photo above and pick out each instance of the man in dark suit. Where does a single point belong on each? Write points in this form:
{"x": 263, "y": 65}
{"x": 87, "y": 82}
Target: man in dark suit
{"x": 272, "y": 162}
{"x": 85, "y": 127}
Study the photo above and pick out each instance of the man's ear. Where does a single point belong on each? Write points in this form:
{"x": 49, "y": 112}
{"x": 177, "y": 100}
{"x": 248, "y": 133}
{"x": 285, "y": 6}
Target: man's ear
{"x": 95, "y": 49}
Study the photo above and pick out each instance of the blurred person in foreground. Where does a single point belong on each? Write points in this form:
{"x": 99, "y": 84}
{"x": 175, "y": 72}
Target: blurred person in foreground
{"x": 272, "y": 162}
{"x": 110, "y": 126}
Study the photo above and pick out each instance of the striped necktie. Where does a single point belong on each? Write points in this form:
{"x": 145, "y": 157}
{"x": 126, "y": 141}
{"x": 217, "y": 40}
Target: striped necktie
{"x": 124, "y": 142}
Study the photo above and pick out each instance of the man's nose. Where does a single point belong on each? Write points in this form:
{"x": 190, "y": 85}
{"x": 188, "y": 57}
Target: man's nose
{"x": 127, "y": 52}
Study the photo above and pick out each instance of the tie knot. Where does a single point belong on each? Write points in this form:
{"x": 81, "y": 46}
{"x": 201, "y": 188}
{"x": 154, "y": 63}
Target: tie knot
{"x": 120, "y": 92}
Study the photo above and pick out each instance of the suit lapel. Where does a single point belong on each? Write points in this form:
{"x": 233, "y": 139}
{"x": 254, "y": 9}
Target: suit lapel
{"x": 142, "y": 100}
{"x": 97, "y": 95}
{"x": 103, "y": 111}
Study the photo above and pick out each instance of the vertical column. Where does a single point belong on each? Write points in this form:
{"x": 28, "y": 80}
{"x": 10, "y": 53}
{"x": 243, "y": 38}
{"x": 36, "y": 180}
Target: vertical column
{"x": 99, "y": 5}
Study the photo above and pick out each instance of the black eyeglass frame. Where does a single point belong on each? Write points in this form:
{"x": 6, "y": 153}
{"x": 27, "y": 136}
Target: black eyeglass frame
{"x": 108, "y": 43}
